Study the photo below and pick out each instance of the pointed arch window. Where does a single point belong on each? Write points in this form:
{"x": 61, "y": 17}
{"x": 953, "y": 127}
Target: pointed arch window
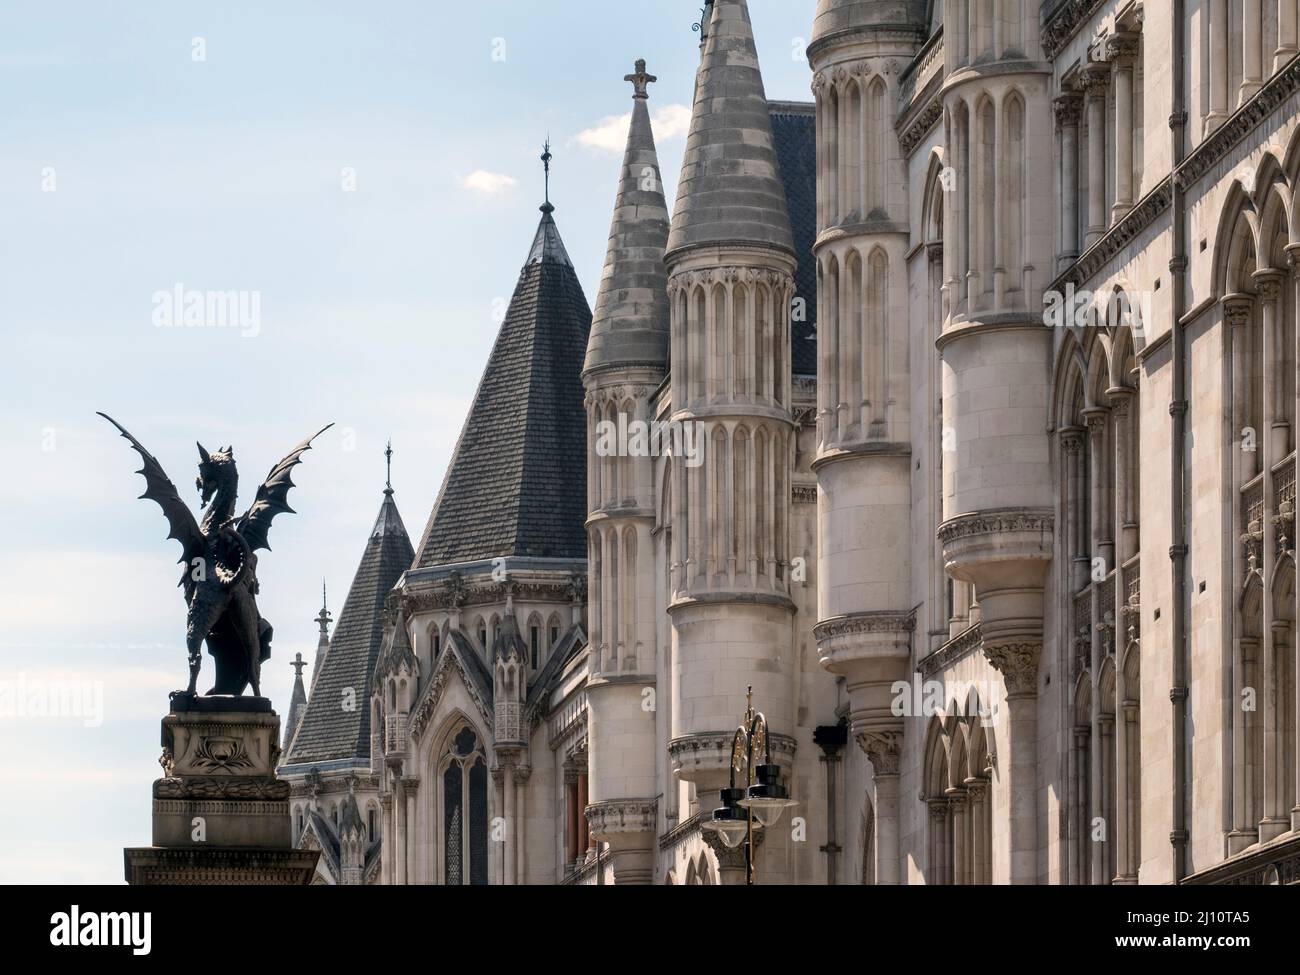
{"x": 463, "y": 777}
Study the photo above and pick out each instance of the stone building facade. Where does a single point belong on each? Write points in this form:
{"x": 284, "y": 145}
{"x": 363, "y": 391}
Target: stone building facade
{"x": 976, "y": 387}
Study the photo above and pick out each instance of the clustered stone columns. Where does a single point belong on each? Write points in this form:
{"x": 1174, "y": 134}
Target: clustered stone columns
{"x": 1109, "y": 146}
{"x": 1122, "y": 49}
{"x": 1095, "y": 81}
{"x": 1068, "y": 108}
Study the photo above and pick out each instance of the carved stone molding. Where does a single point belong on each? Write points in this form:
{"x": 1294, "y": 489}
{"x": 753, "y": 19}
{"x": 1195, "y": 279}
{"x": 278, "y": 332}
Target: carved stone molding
{"x": 914, "y": 132}
{"x": 711, "y": 750}
{"x": 997, "y": 522}
{"x": 224, "y": 787}
{"x": 883, "y": 621}
{"x": 884, "y": 748}
{"x": 1068, "y": 19}
{"x": 1018, "y": 664}
{"x": 448, "y": 663}
{"x": 615, "y": 816}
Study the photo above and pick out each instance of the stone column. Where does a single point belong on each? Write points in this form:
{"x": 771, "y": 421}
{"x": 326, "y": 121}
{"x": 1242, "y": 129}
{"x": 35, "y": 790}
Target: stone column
{"x": 412, "y": 787}
{"x": 1252, "y": 51}
{"x": 1018, "y": 663}
{"x": 399, "y": 854}
{"x": 1132, "y": 792}
{"x": 1122, "y": 49}
{"x": 1276, "y": 821}
{"x": 1286, "y": 33}
{"x": 1218, "y": 48}
{"x": 522, "y": 774}
{"x": 1080, "y": 861}
{"x": 390, "y": 838}
{"x": 1095, "y": 81}
{"x": 960, "y": 811}
{"x": 508, "y": 796}
{"x": 1067, "y": 122}
{"x": 883, "y": 750}
{"x": 584, "y": 830}
{"x": 1109, "y": 811}
{"x": 1293, "y": 260}
{"x": 572, "y": 812}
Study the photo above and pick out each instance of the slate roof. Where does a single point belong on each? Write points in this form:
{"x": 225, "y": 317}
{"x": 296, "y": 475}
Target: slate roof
{"x": 328, "y": 731}
{"x": 517, "y": 481}
{"x": 794, "y": 134}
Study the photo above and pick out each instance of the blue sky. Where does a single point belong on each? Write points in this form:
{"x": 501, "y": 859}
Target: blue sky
{"x": 128, "y": 167}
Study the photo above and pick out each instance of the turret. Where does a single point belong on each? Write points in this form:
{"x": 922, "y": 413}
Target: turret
{"x": 627, "y": 358}
{"x": 730, "y": 265}
{"x": 864, "y": 457}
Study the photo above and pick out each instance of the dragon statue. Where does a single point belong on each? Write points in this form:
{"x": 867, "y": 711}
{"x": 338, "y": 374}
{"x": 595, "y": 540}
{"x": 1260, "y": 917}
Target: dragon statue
{"x": 220, "y": 575}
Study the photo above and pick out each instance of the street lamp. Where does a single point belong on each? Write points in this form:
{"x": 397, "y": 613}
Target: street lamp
{"x": 761, "y": 797}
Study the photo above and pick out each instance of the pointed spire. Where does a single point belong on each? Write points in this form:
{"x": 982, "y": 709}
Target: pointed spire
{"x": 323, "y": 620}
{"x": 297, "y": 702}
{"x": 547, "y": 247}
{"x": 730, "y": 191}
{"x": 389, "y": 521}
{"x": 630, "y": 324}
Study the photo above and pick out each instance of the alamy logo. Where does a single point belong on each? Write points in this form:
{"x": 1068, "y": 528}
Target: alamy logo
{"x": 638, "y": 438}
{"x": 1085, "y": 309}
{"x": 190, "y": 308}
{"x": 105, "y": 929}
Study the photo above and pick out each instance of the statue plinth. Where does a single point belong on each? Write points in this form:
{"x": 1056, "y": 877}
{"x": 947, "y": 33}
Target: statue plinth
{"x": 220, "y": 816}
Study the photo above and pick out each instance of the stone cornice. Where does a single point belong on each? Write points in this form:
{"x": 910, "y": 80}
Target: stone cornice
{"x": 997, "y": 521}
{"x": 614, "y": 816}
{"x": 878, "y": 621}
{"x": 917, "y": 126}
{"x": 1202, "y": 160}
{"x": 1240, "y": 124}
{"x": 1135, "y": 222}
{"x": 957, "y": 649}
{"x": 1064, "y": 21}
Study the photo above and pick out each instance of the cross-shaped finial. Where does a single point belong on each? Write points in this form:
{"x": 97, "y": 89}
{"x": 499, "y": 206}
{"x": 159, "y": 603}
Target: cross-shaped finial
{"x": 640, "y": 80}
{"x": 298, "y": 664}
{"x": 388, "y": 456}
{"x": 546, "y": 168}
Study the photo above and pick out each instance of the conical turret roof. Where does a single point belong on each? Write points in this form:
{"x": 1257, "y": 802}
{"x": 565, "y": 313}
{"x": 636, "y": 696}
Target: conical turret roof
{"x": 330, "y": 731}
{"x": 517, "y": 482}
{"x": 630, "y": 325}
{"x": 730, "y": 191}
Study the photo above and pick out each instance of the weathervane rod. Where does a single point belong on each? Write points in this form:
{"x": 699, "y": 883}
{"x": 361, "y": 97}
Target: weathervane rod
{"x": 546, "y": 166}
{"x": 388, "y": 456}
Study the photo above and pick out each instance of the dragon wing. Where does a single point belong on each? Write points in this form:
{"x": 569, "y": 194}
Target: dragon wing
{"x": 273, "y": 497}
{"x": 158, "y": 487}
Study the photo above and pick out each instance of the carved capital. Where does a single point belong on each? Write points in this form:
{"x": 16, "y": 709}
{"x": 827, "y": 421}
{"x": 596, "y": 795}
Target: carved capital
{"x": 884, "y": 748}
{"x": 1068, "y": 108}
{"x": 1018, "y": 664}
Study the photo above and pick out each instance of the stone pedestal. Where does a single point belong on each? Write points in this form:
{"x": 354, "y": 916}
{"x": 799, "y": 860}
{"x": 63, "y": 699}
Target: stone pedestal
{"x": 220, "y": 816}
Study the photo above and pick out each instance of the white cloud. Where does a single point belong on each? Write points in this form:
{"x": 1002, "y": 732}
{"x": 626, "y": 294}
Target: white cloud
{"x": 489, "y": 184}
{"x": 610, "y": 134}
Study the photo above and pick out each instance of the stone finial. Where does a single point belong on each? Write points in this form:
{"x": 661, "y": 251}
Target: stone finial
{"x": 640, "y": 80}
{"x": 298, "y": 664}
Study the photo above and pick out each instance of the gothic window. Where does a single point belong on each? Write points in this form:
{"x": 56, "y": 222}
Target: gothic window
{"x": 464, "y": 810}
{"x": 1257, "y": 290}
{"x": 482, "y": 636}
{"x": 534, "y": 639}
{"x": 1099, "y": 517}
{"x": 371, "y": 826}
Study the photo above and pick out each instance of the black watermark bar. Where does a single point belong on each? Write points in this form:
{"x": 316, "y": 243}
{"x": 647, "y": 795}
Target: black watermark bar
{"x": 138, "y": 924}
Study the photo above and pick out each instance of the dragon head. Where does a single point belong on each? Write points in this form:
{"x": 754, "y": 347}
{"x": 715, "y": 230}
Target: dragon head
{"x": 215, "y": 469}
